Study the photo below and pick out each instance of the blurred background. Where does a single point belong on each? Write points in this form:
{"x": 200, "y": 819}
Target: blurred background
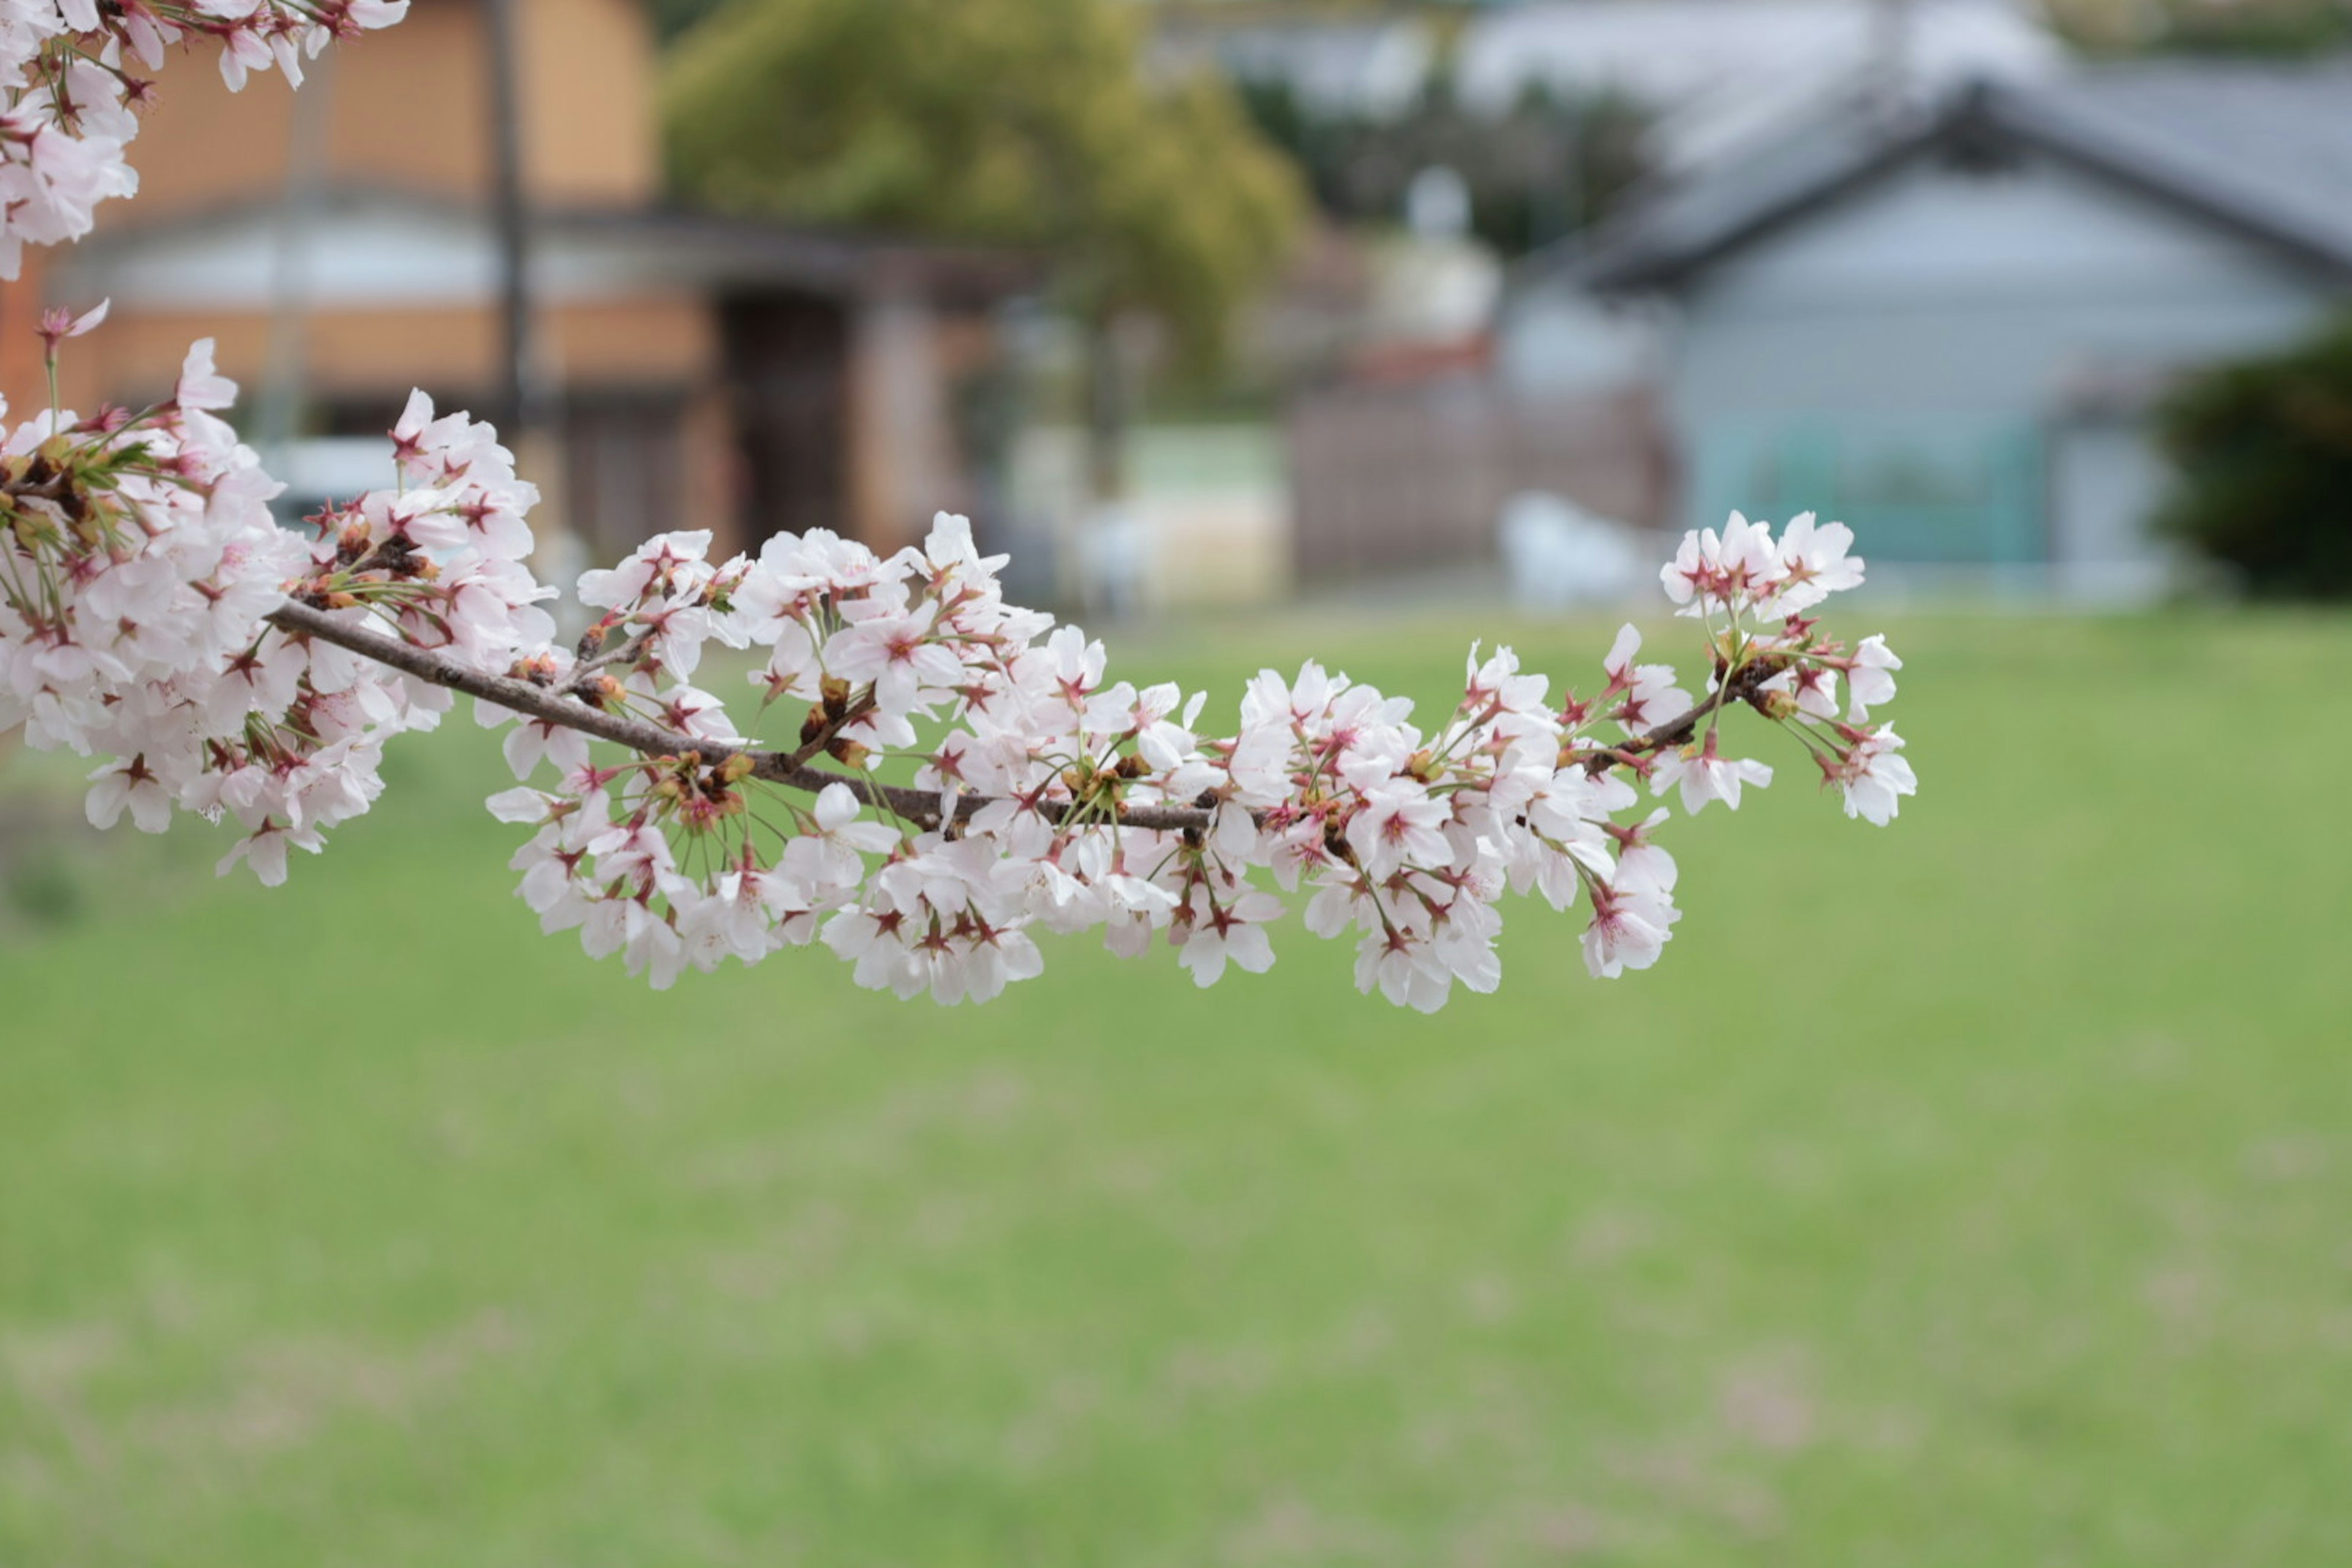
{"x": 1971, "y": 1192}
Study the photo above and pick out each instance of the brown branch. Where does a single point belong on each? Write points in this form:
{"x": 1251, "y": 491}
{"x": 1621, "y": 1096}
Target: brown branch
{"x": 1745, "y": 685}
{"x": 829, "y": 730}
{"x": 919, "y": 807}
{"x": 583, "y": 675}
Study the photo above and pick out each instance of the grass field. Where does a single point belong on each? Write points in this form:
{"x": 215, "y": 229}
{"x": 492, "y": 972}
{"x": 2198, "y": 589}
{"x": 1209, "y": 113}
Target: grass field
{"x": 1974, "y": 1191}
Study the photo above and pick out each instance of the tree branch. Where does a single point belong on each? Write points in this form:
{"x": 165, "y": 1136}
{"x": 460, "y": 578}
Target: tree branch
{"x": 788, "y": 768}
{"x": 920, "y": 806}
{"x": 1745, "y": 685}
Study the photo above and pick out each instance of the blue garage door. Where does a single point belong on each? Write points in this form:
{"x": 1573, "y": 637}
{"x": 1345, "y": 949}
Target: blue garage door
{"x": 1945, "y": 490}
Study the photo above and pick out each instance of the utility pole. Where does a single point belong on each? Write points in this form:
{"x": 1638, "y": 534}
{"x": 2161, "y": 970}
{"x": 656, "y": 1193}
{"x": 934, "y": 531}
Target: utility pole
{"x": 284, "y": 375}
{"x": 520, "y": 410}
{"x": 517, "y": 415}
{"x": 1889, "y": 71}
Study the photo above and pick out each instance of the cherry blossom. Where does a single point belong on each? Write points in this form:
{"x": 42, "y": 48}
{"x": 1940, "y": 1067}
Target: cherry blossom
{"x": 1870, "y": 680}
{"x": 156, "y": 617}
{"x": 1706, "y": 775}
{"x": 1872, "y": 776}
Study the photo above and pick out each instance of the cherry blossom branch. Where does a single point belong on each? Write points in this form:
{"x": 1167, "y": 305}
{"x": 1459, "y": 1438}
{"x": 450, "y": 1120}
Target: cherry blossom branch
{"x": 791, "y": 769}
{"x": 1745, "y": 685}
{"x": 155, "y": 614}
{"x": 625, "y": 651}
{"x": 917, "y": 806}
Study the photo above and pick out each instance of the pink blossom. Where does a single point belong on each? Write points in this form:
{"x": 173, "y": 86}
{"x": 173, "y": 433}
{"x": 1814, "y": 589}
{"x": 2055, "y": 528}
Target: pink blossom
{"x": 1398, "y": 822}
{"x": 1630, "y": 929}
{"x": 1873, "y": 777}
{"x": 1231, "y": 930}
{"x": 1706, "y": 777}
{"x": 895, "y": 653}
{"x": 1871, "y": 680}
{"x": 1813, "y": 564}
{"x": 157, "y": 614}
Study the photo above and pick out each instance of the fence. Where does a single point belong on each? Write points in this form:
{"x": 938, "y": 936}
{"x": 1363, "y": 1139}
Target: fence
{"x": 1390, "y": 478}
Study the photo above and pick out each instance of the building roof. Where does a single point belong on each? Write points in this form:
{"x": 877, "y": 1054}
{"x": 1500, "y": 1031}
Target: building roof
{"x": 360, "y": 247}
{"x": 729, "y": 253}
{"x": 2264, "y": 150}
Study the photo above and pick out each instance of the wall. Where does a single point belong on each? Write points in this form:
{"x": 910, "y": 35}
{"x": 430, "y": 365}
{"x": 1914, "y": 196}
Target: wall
{"x": 358, "y": 352}
{"x": 1390, "y": 480}
{"x": 408, "y": 109}
{"x": 1959, "y": 324}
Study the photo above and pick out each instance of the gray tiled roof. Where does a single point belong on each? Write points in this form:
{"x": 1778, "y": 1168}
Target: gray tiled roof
{"x": 2263, "y": 149}
{"x": 2279, "y": 135}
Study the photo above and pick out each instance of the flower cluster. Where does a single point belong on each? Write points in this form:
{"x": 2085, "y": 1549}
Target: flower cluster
{"x": 152, "y": 610}
{"x": 1754, "y": 596}
{"x": 69, "y": 92}
{"x": 1047, "y": 796}
{"x": 140, "y": 566}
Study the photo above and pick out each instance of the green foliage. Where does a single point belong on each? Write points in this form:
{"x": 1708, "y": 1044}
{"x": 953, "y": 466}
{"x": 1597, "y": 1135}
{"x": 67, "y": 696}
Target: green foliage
{"x": 2265, "y": 450}
{"x": 1022, "y": 122}
{"x": 2015, "y": 1236}
{"x": 2270, "y": 27}
{"x": 672, "y": 18}
{"x": 1550, "y": 166}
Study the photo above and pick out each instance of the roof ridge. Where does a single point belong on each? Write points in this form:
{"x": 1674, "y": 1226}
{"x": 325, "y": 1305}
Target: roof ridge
{"x": 1684, "y": 228}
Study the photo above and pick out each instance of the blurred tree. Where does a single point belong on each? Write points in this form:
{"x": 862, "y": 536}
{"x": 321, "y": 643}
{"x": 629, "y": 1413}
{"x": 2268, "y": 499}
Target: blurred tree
{"x": 1550, "y": 166}
{"x": 1024, "y": 123}
{"x": 2205, "y": 26}
{"x": 2266, "y": 451}
{"x": 672, "y": 18}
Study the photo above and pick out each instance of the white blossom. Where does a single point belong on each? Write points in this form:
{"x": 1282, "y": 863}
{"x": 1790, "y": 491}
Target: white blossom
{"x": 154, "y": 618}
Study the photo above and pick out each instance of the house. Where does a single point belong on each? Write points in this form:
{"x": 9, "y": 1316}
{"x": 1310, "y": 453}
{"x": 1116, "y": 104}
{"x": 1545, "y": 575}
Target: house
{"x": 1947, "y": 327}
{"x": 339, "y": 244}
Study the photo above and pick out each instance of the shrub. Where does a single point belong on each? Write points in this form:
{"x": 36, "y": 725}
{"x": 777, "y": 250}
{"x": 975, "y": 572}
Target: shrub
{"x": 2264, "y": 447}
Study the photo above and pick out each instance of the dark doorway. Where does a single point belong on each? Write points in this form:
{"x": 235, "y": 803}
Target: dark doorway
{"x": 788, "y": 380}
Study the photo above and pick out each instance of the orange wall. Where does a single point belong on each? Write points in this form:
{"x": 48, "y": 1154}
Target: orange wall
{"x": 408, "y": 106}
{"x": 450, "y": 351}
{"x": 591, "y": 137}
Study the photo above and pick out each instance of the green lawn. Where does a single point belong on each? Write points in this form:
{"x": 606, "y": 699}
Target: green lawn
{"x": 1975, "y": 1192}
